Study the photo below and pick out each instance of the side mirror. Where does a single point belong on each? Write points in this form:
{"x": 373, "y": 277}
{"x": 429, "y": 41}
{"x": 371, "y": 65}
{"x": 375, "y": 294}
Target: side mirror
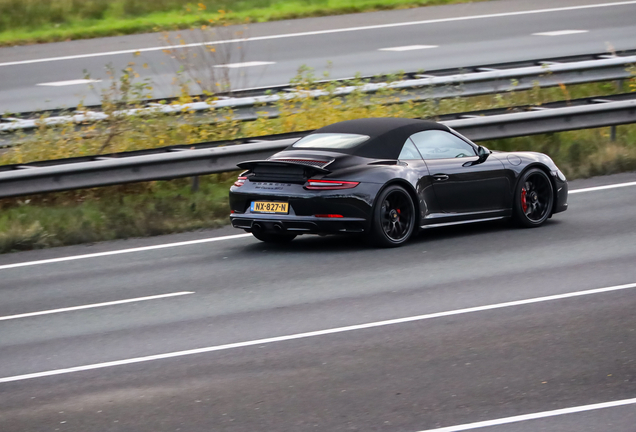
{"x": 482, "y": 153}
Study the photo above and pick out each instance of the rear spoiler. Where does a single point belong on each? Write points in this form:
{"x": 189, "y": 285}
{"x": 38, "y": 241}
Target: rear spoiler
{"x": 248, "y": 165}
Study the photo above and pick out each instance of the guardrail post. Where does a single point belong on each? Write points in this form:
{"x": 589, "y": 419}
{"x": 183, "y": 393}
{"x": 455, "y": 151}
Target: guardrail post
{"x": 195, "y": 184}
{"x": 613, "y": 133}
{"x": 619, "y": 85}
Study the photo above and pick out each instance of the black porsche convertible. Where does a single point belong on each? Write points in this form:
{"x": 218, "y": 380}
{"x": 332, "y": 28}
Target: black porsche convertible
{"x": 388, "y": 178}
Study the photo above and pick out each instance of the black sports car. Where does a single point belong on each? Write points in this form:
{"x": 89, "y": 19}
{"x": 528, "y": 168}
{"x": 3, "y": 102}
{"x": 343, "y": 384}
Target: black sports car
{"x": 387, "y": 178}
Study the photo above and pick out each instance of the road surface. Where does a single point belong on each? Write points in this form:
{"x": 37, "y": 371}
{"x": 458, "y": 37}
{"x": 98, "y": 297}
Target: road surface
{"x": 217, "y": 331}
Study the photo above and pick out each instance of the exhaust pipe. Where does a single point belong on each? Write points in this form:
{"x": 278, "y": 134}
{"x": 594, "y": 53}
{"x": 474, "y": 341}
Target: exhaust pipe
{"x": 256, "y": 227}
{"x": 278, "y": 227}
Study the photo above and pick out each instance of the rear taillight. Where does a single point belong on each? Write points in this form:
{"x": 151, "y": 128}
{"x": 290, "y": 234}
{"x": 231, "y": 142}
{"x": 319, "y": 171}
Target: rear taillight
{"x": 240, "y": 181}
{"x": 329, "y": 184}
{"x": 328, "y": 216}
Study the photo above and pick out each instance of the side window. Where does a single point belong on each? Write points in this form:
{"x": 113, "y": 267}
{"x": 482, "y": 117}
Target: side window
{"x": 409, "y": 152}
{"x": 437, "y": 144}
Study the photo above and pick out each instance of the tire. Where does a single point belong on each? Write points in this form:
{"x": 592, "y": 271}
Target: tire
{"x": 393, "y": 218}
{"x": 533, "y": 199}
{"x": 274, "y": 238}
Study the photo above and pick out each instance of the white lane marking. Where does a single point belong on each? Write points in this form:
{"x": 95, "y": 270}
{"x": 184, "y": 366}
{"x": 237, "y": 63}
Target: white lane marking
{"x": 213, "y": 239}
{"x": 409, "y": 48}
{"x": 597, "y": 188}
{"x": 320, "y": 32}
{"x": 69, "y": 82}
{"x": 122, "y": 251}
{"x": 95, "y": 305}
{"x": 539, "y": 415}
{"x": 245, "y": 64}
{"x": 560, "y": 33}
{"x": 315, "y": 333}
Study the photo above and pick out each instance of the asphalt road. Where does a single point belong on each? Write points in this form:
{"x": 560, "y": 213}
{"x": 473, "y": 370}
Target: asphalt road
{"x": 446, "y": 36}
{"x": 570, "y": 350}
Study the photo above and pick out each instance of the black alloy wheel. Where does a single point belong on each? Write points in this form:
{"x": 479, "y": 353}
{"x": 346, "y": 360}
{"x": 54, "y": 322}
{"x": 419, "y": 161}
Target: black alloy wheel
{"x": 393, "y": 217}
{"x": 274, "y": 238}
{"x": 534, "y": 198}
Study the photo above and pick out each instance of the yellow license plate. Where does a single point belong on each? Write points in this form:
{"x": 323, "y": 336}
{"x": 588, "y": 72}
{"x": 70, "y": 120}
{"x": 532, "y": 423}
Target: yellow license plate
{"x": 269, "y": 207}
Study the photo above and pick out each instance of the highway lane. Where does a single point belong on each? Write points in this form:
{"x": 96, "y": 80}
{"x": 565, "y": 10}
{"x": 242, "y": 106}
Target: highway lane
{"x": 497, "y": 31}
{"x": 410, "y": 376}
{"x": 407, "y": 378}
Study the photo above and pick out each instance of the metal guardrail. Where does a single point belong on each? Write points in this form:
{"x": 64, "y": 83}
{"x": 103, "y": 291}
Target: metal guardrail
{"x": 582, "y": 114}
{"x": 177, "y": 162}
{"x": 26, "y": 180}
{"x": 483, "y": 80}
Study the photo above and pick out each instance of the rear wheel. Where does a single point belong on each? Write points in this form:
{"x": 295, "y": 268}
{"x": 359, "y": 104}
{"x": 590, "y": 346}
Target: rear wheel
{"x": 393, "y": 218}
{"x": 274, "y": 238}
{"x": 534, "y": 198}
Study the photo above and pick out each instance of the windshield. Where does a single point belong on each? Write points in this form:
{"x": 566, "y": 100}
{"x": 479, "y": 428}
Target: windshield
{"x": 330, "y": 140}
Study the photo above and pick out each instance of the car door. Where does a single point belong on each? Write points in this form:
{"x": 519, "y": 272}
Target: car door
{"x": 462, "y": 182}
{"x": 410, "y": 157}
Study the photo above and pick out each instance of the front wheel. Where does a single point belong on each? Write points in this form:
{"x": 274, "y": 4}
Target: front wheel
{"x": 274, "y": 238}
{"x": 393, "y": 218}
{"x": 534, "y": 198}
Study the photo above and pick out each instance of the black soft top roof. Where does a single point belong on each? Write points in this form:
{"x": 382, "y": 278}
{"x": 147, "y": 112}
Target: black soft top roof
{"x": 388, "y": 135}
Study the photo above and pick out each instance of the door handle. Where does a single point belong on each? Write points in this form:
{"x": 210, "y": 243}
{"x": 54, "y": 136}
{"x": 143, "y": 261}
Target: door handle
{"x": 440, "y": 177}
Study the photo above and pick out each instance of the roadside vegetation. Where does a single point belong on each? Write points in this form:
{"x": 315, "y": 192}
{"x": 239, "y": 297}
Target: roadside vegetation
{"x": 154, "y": 208}
{"x": 33, "y": 21}
{"x": 127, "y": 91}
{"x": 115, "y": 212}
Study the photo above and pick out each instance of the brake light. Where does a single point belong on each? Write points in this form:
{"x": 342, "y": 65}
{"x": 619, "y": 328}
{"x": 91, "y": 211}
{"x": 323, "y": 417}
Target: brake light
{"x": 329, "y": 184}
{"x": 328, "y": 216}
{"x": 240, "y": 181}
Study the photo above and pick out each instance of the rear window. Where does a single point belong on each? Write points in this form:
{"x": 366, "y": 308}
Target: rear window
{"x": 330, "y": 141}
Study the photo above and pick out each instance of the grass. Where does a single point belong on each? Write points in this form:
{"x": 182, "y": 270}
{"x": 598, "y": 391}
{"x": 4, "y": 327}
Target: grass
{"x": 138, "y": 210}
{"x": 33, "y": 21}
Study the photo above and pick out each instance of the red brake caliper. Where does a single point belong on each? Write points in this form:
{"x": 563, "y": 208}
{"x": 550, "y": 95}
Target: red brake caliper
{"x": 524, "y": 203}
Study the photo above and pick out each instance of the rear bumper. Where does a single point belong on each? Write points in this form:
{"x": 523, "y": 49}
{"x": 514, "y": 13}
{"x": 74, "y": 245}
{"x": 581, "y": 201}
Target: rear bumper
{"x": 353, "y": 205}
{"x": 297, "y": 224}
